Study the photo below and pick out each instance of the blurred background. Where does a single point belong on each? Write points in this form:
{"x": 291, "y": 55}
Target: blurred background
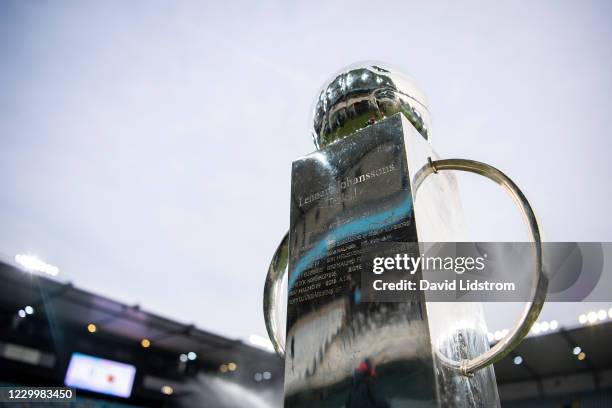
{"x": 145, "y": 153}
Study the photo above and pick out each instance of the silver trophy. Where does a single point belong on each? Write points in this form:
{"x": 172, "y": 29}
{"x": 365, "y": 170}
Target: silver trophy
{"x": 372, "y": 131}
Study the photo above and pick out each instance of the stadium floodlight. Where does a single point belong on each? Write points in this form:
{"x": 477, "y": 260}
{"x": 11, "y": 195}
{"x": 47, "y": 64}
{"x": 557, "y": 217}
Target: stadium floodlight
{"x": 601, "y": 315}
{"x": 592, "y": 317}
{"x": 33, "y": 264}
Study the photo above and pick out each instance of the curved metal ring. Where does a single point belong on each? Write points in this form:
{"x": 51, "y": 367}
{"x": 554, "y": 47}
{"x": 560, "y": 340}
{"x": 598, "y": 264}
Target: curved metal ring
{"x": 532, "y": 309}
{"x": 272, "y": 289}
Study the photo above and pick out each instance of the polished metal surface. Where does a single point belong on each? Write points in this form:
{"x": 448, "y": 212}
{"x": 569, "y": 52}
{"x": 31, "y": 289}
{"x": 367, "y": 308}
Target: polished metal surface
{"x": 372, "y": 129}
{"x": 457, "y": 330}
{"x": 272, "y": 291}
{"x": 344, "y": 198}
{"x": 362, "y": 94}
{"x": 278, "y": 267}
{"x": 532, "y": 309}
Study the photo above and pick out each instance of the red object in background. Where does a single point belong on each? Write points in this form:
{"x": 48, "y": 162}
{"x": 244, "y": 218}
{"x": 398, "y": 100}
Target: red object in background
{"x": 365, "y": 367}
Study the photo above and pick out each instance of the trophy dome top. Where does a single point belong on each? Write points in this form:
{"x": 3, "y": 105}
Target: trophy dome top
{"x": 362, "y": 94}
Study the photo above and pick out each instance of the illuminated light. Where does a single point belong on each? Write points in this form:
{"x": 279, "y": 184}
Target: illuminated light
{"x": 591, "y": 317}
{"x": 33, "y": 264}
{"x": 490, "y": 337}
{"x": 258, "y": 377}
{"x": 232, "y": 366}
{"x": 577, "y": 350}
{"x": 544, "y": 326}
{"x": 223, "y": 368}
{"x": 518, "y": 360}
{"x": 554, "y": 325}
{"x": 266, "y": 375}
{"x": 29, "y": 310}
{"x": 261, "y": 342}
{"x": 610, "y": 313}
{"x": 145, "y": 343}
{"x": 21, "y": 313}
{"x": 91, "y": 328}
{"x": 192, "y": 356}
{"x": 581, "y": 356}
{"x": 582, "y": 318}
{"x": 183, "y": 358}
{"x": 601, "y": 315}
{"x": 536, "y": 328}
{"x": 167, "y": 390}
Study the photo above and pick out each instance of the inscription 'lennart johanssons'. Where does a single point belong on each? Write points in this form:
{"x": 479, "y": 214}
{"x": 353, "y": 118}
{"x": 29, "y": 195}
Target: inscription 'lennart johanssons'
{"x": 342, "y": 184}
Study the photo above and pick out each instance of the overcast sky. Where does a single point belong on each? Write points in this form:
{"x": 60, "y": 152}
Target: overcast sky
{"x": 145, "y": 147}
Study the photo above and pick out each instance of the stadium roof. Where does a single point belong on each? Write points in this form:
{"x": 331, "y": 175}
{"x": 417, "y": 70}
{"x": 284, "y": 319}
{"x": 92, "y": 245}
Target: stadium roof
{"x": 64, "y": 304}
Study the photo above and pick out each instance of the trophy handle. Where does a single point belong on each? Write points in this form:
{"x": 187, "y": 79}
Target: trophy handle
{"x": 272, "y": 290}
{"x": 532, "y": 309}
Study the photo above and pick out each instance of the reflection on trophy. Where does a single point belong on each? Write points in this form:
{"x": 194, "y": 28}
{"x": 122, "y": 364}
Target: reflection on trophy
{"x": 372, "y": 131}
